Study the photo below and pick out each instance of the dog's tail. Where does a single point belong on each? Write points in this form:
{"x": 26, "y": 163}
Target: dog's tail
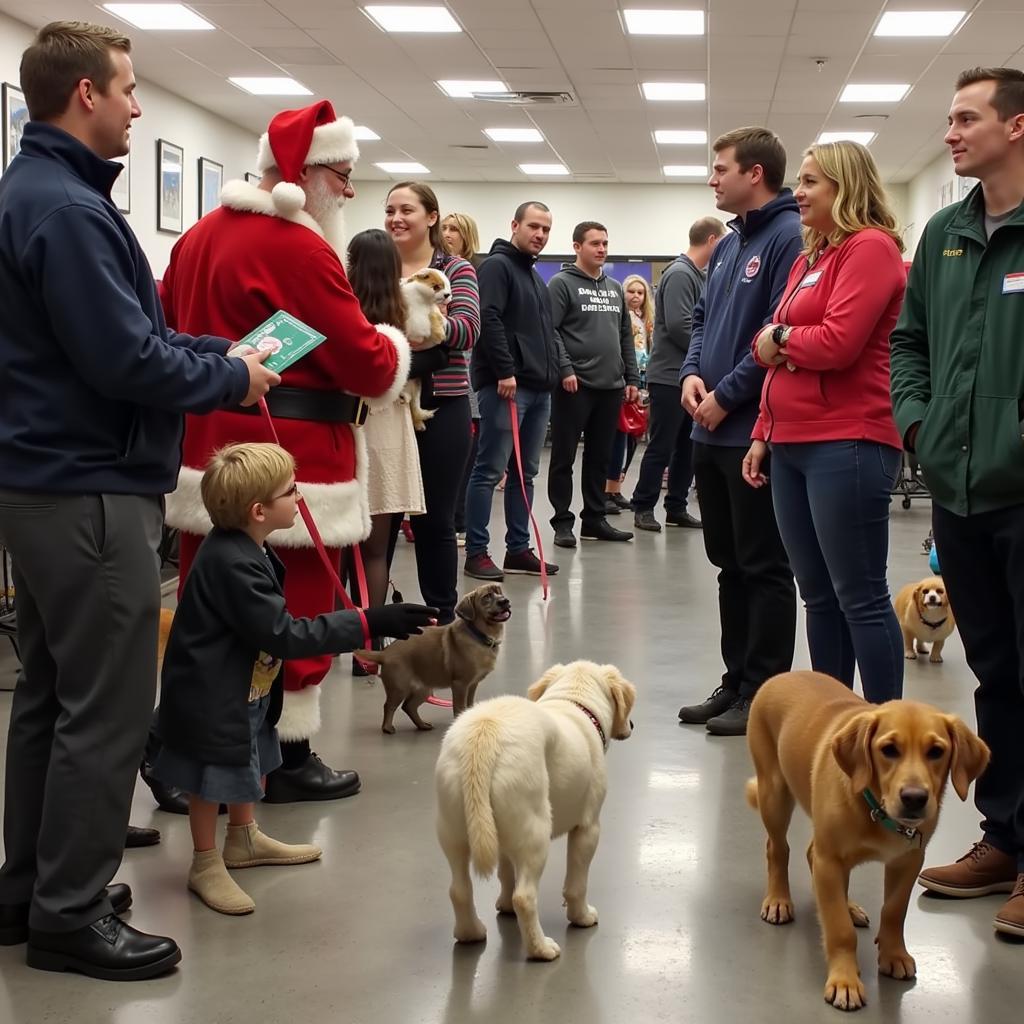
{"x": 377, "y": 657}
{"x": 476, "y": 766}
{"x": 752, "y": 792}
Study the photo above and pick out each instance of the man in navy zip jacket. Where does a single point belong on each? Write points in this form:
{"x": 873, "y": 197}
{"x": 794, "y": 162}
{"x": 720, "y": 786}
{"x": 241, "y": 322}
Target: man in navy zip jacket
{"x": 92, "y": 394}
{"x": 721, "y": 391}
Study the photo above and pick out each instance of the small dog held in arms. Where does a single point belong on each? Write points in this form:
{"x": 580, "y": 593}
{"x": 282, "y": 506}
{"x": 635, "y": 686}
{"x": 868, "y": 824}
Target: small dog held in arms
{"x": 424, "y": 293}
{"x": 512, "y": 774}
{"x": 871, "y": 778}
{"x": 460, "y": 655}
{"x": 925, "y": 617}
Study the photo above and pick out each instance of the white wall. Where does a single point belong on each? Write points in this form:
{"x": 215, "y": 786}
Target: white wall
{"x": 165, "y": 116}
{"x": 925, "y": 195}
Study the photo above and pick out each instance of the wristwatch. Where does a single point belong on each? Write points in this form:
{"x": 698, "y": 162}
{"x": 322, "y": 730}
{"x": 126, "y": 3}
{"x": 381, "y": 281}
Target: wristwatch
{"x": 780, "y": 334}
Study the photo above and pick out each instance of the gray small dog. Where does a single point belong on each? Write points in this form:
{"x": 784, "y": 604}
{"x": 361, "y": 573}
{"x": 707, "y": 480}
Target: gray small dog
{"x": 459, "y": 655}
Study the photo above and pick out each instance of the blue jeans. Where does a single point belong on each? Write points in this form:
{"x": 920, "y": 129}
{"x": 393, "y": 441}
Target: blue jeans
{"x": 492, "y": 459}
{"x": 832, "y": 505}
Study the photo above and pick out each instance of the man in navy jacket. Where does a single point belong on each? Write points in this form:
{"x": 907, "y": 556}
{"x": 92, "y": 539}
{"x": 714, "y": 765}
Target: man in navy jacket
{"x": 721, "y": 391}
{"x": 91, "y": 401}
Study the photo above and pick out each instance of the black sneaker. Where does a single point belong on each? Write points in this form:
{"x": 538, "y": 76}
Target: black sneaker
{"x": 603, "y": 530}
{"x": 564, "y": 537}
{"x": 732, "y": 722}
{"x": 682, "y": 519}
{"x": 646, "y": 521}
{"x": 610, "y": 508}
{"x": 698, "y": 714}
{"x": 481, "y": 567}
{"x": 526, "y": 563}
{"x": 619, "y": 500}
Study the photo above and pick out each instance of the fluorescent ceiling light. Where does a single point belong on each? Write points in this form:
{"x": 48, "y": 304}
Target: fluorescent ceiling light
{"x": 465, "y": 89}
{"x": 514, "y": 134}
{"x": 873, "y": 93}
{"x": 544, "y": 168}
{"x": 278, "y": 86}
{"x": 664, "y": 23}
{"x": 919, "y": 23}
{"x": 413, "y": 19}
{"x": 363, "y": 134}
{"x": 864, "y": 138}
{"x": 673, "y": 90}
{"x": 670, "y": 137}
{"x": 685, "y": 170}
{"x": 160, "y": 17}
{"x": 403, "y": 168}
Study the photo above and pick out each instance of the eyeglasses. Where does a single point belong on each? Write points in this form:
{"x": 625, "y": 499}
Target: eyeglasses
{"x": 290, "y": 493}
{"x": 346, "y": 177}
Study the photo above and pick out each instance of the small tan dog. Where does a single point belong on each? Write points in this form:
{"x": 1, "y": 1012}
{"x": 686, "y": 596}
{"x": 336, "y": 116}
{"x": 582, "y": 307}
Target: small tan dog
{"x": 460, "y": 655}
{"x": 925, "y": 617}
{"x": 512, "y": 774}
{"x": 871, "y": 778}
{"x": 424, "y": 293}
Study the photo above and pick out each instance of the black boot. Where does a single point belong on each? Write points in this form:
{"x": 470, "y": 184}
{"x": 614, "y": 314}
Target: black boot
{"x": 303, "y": 776}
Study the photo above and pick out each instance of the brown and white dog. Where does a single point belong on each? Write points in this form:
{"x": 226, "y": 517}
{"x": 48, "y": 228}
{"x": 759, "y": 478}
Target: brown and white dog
{"x": 424, "y": 293}
{"x": 925, "y": 617}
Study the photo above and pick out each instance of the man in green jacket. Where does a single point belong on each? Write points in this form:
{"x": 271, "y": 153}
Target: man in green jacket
{"x": 958, "y": 396}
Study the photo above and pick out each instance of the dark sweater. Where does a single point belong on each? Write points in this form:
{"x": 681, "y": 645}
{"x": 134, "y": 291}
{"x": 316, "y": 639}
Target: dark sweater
{"x": 92, "y": 383}
{"x": 678, "y": 291}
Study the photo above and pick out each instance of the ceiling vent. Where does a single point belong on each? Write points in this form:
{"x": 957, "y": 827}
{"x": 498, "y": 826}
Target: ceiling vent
{"x": 528, "y": 98}
{"x": 465, "y": 145}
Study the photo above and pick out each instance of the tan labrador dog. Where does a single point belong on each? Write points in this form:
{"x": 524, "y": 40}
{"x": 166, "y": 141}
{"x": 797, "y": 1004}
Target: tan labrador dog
{"x": 816, "y": 743}
{"x": 515, "y": 772}
{"x": 925, "y": 617}
{"x": 460, "y": 656}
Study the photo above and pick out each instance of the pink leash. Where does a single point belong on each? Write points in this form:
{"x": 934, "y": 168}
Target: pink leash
{"x": 513, "y": 414}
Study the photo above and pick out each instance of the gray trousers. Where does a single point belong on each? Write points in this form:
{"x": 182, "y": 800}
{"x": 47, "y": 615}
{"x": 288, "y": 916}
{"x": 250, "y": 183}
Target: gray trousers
{"x": 87, "y": 582}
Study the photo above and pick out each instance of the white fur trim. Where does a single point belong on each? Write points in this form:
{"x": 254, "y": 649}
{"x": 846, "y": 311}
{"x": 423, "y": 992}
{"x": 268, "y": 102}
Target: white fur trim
{"x": 240, "y": 195}
{"x": 333, "y": 143}
{"x": 404, "y": 354}
{"x": 340, "y": 511}
{"x": 300, "y": 714}
{"x": 288, "y": 198}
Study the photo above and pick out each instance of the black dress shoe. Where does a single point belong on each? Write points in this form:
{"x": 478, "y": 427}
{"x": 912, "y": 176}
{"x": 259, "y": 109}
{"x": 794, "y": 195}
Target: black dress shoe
{"x": 603, "y": 530}
{"x": 107, "y": 949}
{"x": 14, "y": 917}
{"x": 167, "y": 798}
{"x": 312, "y": 780}
{"x": 141, "y": 837}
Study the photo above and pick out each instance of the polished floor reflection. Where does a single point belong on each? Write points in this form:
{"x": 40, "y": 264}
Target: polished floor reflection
{"x": 365, "y": 935}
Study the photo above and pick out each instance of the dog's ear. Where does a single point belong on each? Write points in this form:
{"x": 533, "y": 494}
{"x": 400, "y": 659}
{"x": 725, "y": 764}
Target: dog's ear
{"x": 466, "y": 608}
{"x": 851, "y": 747}
{"x": 970, "y": 755}
{"x": 539, "y": 688}
{"x": 624, "y": 695}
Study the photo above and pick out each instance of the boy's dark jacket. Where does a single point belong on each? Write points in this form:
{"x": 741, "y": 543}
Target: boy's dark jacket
{"x": 231, "y": 609}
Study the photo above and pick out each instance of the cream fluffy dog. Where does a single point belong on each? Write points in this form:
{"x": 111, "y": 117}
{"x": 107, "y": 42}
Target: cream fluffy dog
{"x": 423, "y": 294}
{"x": 514, "y": 773}
{"x": 925, "y": 617}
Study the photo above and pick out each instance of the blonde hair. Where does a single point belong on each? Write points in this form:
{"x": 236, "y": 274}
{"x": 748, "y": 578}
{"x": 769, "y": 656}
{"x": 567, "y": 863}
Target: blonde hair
{"x": 861, "y": 201}
{"x": 648, "y": 309}
{"x": 470, "y": 235}
{"x": 239, "y": 476}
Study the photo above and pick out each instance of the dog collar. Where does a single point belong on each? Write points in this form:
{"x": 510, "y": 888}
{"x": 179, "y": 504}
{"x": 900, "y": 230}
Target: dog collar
{"x": 879, "y": 815}
{"x": 597, "y": 725}
{"x": 487, "y": 641}
{"x": 933, "y": 625}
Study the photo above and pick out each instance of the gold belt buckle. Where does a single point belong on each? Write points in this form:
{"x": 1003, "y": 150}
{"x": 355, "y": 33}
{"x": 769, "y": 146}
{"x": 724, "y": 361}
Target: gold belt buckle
{"x": 362, "y": 412}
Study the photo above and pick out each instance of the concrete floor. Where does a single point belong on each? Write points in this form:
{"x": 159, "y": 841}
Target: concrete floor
{"x": 365, "y": 935}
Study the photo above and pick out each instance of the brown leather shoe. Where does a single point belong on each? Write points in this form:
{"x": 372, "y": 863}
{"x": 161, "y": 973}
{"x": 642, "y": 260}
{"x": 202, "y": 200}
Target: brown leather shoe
{"x": 981, "y": 871}
{"x": 1010, "y": 919}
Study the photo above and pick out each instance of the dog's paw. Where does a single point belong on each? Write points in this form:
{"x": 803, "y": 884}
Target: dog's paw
{"x": 910, "y": 655}
{"x": 777, "y": 911}
{"x": 424, "y": 726}
{"x": 548, "y": 950}
{"x": 859, "y": 916}
{"x": 898, "y": 964}
{"x": 388, "y": 729}
{"x": 585, "y": 920}
{"x": 845, "y": 993}
{"x": 935, "y": 659}
{"x": 475, "y": 931}
{"x": 504, "y": 906}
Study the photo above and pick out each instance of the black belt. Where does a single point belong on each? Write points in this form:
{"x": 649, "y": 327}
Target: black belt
{"x": 319, "y": 406}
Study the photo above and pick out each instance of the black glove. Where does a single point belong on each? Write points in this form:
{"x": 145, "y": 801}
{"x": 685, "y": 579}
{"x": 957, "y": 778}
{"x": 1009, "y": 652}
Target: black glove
{"x": 399, "y": 620}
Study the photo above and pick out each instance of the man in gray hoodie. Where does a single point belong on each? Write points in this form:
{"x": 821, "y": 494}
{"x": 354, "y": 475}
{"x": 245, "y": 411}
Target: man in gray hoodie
{"x": 598, "y": 369}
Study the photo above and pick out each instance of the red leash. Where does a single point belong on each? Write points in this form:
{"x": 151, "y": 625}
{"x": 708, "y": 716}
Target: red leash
{"x": 513, "y": 414}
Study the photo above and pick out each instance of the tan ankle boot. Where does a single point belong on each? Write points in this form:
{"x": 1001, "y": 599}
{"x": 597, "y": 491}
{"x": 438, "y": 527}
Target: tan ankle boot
{"x": 247, "y": 847}
{"x": 209, "y": 880}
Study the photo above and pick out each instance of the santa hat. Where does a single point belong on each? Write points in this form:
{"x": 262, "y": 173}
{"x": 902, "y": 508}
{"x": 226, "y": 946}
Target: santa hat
{"x": 301, "y": 138}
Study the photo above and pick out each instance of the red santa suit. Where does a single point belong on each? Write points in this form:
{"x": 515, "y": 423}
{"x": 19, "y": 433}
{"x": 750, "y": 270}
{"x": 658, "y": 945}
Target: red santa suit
{"x": 254, "y": 255}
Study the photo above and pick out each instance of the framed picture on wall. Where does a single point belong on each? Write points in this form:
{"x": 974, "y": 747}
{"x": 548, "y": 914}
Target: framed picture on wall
{"x": 170, "y": 170}
{"x": 15, "y": 119}
{"x": 252, "y": 179}
{"x": 211, "y": 181}
{"x": 121, "y": 193}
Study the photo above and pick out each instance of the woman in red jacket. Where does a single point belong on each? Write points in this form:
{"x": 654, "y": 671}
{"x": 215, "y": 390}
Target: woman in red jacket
{"x": 827, "y": 415}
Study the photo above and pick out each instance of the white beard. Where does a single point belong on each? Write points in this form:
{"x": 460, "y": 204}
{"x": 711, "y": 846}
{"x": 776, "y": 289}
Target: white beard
{"x": 327, "y": 210}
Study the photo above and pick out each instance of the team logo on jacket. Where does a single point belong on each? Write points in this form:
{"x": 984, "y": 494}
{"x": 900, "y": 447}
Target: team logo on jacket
{"x": 752, "y": 267}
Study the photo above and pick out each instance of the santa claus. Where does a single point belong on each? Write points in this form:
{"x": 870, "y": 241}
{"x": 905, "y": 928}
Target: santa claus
{"x": 278, "y": 245}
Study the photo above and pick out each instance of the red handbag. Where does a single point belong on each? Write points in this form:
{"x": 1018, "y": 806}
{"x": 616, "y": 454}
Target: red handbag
{"x": 633, "y": 419}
